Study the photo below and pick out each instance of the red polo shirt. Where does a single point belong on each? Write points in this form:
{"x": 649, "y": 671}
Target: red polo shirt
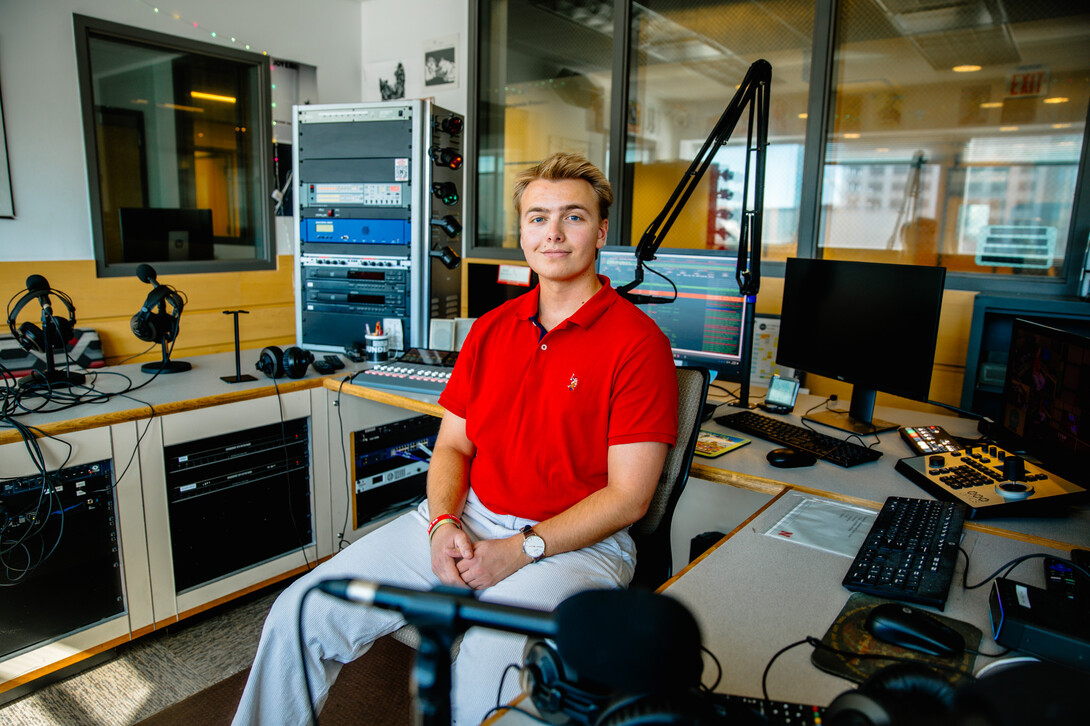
{"x": 542, "y": 410}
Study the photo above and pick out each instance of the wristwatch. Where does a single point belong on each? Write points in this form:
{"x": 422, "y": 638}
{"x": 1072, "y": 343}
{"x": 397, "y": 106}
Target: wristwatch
{"x": 532, "y": 544}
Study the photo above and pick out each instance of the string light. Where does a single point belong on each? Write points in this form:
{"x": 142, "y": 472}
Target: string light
{"x": 196, "y": 25}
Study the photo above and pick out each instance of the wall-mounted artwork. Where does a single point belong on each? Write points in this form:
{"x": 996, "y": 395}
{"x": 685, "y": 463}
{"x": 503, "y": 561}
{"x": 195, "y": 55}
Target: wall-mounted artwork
{"x": 440, "y": 64}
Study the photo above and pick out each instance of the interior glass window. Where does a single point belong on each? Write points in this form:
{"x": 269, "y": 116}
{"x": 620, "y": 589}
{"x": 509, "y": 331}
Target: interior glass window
{"x": 955, "y": 134}
{"x": 178, "y": 149}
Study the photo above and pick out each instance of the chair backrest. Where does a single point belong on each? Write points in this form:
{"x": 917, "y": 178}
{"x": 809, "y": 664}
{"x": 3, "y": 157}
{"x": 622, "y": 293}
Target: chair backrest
{"x": 652, "y": 532}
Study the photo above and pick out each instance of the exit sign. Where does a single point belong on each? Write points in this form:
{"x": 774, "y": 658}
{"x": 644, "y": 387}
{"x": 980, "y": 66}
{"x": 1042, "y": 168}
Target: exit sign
{"x": 1028, "y": 81}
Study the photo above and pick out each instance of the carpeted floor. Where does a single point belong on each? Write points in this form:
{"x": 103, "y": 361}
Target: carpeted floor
{"x": 193, "y": 673}
{"x": 377, "y": 686}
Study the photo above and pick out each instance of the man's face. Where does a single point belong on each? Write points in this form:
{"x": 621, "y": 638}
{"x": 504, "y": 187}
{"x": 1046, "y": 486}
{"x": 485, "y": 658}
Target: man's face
{"x": 560, "y": 228}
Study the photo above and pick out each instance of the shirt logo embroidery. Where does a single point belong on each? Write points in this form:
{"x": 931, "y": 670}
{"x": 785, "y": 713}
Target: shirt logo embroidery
{"x": 573, "y": 382}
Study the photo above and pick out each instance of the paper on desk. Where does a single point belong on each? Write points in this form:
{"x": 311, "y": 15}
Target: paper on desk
{"x": 825, "y": 525}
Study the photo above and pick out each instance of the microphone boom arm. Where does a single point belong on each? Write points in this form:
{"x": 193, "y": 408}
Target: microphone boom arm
{"x": 754, "y": 94}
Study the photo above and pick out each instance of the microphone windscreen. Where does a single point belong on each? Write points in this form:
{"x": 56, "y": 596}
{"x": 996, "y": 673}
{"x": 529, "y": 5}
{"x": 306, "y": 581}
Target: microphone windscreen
{"x": 633, "y": 641}
{"x": 145, "y": 272}
{"x": 36, "y": 283}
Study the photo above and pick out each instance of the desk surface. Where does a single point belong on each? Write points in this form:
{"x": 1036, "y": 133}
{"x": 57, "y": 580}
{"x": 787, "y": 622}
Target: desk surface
{"x": 755, "y": 594}
{"x": 871, "y": 483}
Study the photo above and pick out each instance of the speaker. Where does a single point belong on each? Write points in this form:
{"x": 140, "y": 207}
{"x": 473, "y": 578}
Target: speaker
{"x": 292, "y": 362}
{"x": 158, "y": 326}
{"x": 58, "y": 331}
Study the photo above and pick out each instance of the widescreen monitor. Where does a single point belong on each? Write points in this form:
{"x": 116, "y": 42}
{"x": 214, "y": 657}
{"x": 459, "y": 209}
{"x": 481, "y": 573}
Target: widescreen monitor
{"x": 150, "y": 234}
{"x": 873, "y": 325}
{"x": 1045, "y": 397}
{"x": 706, "y": 323}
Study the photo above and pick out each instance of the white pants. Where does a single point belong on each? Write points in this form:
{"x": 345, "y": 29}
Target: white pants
{"x": 337, "y": 632}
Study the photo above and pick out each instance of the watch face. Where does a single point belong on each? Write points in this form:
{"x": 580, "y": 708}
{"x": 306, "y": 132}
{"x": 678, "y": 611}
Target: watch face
{"x": 533, "y": 546}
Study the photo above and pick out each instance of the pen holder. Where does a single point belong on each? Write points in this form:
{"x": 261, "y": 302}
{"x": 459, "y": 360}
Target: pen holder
{"x": 377, "y": 347}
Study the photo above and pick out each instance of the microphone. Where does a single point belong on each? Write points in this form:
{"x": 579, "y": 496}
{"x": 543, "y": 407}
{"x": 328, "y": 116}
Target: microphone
{"x": 451, "y": 606}
{"x": 37, "y": 286}
{"x": 633, "y": 641}
{"x": 146, "y": 273}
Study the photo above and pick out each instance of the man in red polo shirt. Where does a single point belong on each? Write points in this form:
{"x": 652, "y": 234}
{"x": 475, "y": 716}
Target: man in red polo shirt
{"x": 559, "y": 415}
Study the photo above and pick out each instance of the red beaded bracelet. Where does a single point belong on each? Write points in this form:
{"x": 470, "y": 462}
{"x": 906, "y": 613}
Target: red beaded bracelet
{"x": 442, "y": 518}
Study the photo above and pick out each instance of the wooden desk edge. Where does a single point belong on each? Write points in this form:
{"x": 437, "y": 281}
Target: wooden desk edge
{"x": 161, "y": 409}
{"x": 341, "y": 385}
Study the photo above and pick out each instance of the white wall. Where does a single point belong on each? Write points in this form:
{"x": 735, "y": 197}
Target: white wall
{"x": 403, "y": 30}
{"x": 40, "y": 89}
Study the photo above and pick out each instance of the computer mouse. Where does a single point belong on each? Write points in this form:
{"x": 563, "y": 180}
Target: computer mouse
{"x": 790, "y": 458}
{"x": 914, "y": 629}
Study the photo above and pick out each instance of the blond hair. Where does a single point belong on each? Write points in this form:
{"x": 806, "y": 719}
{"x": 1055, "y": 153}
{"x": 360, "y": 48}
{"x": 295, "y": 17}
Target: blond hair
{"x": 559, "y": 167}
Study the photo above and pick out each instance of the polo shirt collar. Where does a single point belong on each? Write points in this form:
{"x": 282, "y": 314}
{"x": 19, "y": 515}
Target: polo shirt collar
{"x": 584, "y": 317}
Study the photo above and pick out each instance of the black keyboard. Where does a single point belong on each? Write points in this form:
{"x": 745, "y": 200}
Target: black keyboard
{"x": 829, "y": 448}
{"x": 910, "y": 552}
{"x": 748, "y": 710}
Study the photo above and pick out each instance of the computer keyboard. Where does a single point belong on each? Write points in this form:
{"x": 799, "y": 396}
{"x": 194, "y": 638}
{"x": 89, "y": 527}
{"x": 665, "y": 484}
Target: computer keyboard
{"x": 829, "y": 448}
{"x": 910, "y": 552}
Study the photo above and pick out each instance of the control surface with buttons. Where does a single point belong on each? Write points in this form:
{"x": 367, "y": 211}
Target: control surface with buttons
{"x": 991, "y": 480}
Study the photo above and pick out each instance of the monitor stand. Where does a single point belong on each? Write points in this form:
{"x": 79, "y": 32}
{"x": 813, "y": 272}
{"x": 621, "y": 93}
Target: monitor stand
{"x": 858, "y": 419}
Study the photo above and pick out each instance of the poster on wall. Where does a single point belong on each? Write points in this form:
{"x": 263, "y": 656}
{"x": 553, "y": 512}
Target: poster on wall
{"x": 385, "y": 80}
{"x": 7, "y": 204}
{"x": 440, "y": 64}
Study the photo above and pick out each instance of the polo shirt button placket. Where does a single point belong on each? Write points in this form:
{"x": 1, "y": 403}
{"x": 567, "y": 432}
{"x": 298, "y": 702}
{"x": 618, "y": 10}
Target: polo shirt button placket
{"x": 544, "y": 347}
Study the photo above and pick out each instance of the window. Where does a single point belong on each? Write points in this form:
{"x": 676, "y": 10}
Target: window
{"x": 544, "y": 86}
{"x": 686, "y": 64}
{"x": 178, "y": 149}
{"x": 878, "y": 148}
{"x": 970, "y": 123}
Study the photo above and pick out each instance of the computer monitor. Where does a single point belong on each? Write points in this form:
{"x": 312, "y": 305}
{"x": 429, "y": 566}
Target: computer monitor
{"x": 1045, "y": 397}
{"x": 706, "y": 323}
{"x": 873, "y": 325}
{"x": 150, "y": 234}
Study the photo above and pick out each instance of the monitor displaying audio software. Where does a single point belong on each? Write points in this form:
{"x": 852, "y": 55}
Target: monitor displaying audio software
{"x": 706, "y": 323}
{"x": 873, "y": 325}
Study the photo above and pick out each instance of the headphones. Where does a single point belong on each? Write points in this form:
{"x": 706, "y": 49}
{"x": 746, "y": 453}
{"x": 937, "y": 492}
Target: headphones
{"x": 58, "y": 330}
{"x": 292, "y": 362}
{"x": 562, "y": 698}
{"x": 905, "y": 693}
{"x": 153, "y": 325}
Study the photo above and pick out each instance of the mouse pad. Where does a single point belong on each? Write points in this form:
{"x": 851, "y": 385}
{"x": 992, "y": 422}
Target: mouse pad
{"x": 848, "y": 633}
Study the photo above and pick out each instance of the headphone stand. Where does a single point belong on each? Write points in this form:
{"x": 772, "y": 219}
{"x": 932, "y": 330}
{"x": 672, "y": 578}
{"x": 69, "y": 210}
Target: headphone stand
{"x": 51, "y": 377}
{"x": 166, "y": 365}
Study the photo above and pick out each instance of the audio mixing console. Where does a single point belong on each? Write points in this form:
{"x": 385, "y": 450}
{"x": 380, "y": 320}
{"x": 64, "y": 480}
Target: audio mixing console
{"x": 991, "y": 480}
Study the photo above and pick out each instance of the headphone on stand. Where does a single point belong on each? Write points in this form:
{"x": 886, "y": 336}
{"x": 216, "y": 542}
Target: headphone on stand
{"x": 154, "y": 326}
{"x": 59, "y": 331}
{"x": 292, "y": 362}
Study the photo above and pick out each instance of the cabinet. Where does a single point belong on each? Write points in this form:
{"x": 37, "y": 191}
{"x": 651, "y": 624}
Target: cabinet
{"x": 86, "y": 588}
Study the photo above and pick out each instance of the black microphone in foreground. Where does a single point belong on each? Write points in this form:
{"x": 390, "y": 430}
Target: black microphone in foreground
{"x": 633, "y": 641}
{"x": 452, "y": 607}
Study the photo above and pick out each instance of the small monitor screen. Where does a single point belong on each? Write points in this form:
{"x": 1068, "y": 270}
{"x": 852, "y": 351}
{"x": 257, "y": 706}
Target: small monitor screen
{"x": 706, "y": 323}
{"x": 166, "y": 235}
{"x": 1046, "y": 394}
{"x": 873, "y": 325}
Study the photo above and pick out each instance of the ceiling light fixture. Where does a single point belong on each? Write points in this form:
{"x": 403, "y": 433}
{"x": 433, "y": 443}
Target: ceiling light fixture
{"x": 965, "y": 69}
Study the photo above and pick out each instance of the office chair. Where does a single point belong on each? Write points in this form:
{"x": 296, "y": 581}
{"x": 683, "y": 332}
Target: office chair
{"x": 654, "y": 564}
